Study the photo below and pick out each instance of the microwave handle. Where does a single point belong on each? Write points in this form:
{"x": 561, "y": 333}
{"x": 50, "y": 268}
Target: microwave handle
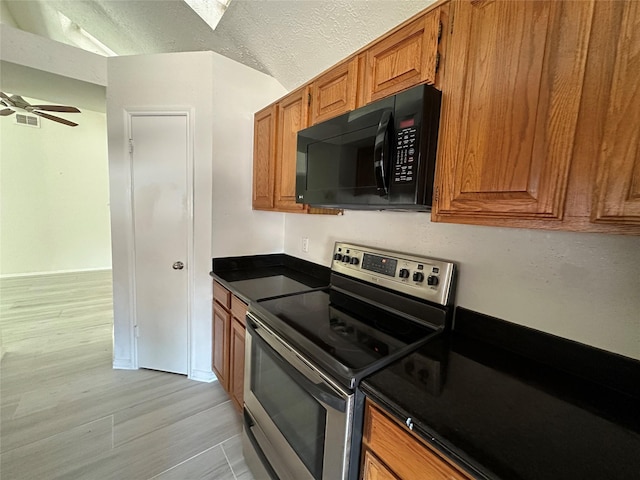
{"x": 381, "y": 154}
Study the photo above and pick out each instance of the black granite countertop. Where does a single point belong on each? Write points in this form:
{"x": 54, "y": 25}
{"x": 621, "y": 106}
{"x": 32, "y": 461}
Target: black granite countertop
{"x": 256, "y": 277}
{"x": 535, "y": 407}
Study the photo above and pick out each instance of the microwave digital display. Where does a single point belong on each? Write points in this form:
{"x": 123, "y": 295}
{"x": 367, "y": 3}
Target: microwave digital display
{"x": 383, "y": 265}
{"x": 410, "y": 122}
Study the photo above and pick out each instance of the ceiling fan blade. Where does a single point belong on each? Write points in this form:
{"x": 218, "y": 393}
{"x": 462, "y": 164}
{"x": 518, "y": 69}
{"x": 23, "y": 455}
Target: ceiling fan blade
{"x": 56, "y": 119}
{"x": 6, "y": 111}
{"x": 55, "y": 108}
{"x": 5, "y": 96}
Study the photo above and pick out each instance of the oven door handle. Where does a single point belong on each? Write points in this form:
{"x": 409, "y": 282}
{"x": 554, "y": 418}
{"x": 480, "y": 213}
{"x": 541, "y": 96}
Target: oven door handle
{"x": 321, "y": 392}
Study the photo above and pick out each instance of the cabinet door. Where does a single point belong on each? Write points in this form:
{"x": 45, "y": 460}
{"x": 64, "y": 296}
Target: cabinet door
{"x": 334, "y": 92}
{"x": 264, "y": 150}
{"x": 406, "y": 58}
{"x": 618, "y": 183}
{"x": 374, "y": 469}
{"x": 292, "y": 117}
{"x": 236, "y": 375}
{"x": 511, "y": 99}
{"x": 221, "y": 331}
{"x": 402, "y": 452}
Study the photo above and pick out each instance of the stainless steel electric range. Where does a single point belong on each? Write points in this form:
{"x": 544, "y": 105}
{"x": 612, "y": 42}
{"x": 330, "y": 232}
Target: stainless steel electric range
{"x": 307, "y": 352}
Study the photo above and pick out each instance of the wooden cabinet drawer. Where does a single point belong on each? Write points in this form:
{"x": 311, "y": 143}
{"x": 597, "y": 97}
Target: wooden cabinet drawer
{"x": 403, "y": 452}
{"x": 221, "y": 295}
{"x": 238, "y": 309}
{"x": 374, "y": 469}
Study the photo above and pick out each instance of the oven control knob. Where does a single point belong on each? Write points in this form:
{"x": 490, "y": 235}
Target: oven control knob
{"x": 418, "y": 276}
{"x": 404, "y": 273}
{"x": 432, "y": 280}
{"x": 346, "y": 259}
{"x": 355, "y": 261}
{"x": 337, "y": 256}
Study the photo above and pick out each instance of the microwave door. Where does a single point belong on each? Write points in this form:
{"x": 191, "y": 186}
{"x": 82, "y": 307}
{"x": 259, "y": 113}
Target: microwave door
{"x": 340, "y": 170}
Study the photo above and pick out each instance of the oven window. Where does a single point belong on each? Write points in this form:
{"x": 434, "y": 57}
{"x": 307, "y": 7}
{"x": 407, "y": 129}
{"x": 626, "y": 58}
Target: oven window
{"x": 298, "y": 416}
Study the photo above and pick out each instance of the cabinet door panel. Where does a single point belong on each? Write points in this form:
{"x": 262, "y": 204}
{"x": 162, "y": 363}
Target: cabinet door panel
{"x": 403, "y": 453}
{"x": 511, "y": 102}
{"x": 236, "y": 375}
{"x": 334, "y": 93}
{"x": 403, "y": 59}
{"x": 618, "y": 184}
{"x": 264, "y": 137}
{"x": 221, "y": 326}
{"x": 292, "y": 117}
{"x": 374, "y": 469}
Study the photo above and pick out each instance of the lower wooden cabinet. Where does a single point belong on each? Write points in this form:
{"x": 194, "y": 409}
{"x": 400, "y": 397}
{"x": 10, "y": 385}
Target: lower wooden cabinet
{"x": 374, "y": 469}
{"x": 228, "y": 330}
{"x": 236, "y": 356}
{"x": 392, "y": 452}
{"x": 221, "y": 329}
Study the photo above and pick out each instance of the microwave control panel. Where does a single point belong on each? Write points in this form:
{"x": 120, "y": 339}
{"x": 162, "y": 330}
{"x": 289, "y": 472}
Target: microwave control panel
{"x": 405, "y": 167}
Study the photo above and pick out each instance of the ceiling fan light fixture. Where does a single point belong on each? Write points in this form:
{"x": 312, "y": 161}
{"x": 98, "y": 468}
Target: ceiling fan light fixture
{"x": 211, "y": 11}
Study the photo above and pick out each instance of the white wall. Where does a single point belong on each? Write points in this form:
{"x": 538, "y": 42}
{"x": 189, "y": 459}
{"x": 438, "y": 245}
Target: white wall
{"x": 223, "y": 96}
{"x": 23, "y": 48}
{"x": 54, "y": 195}
{"x": 237, "y": 229}
{"x": 581, "y": 286}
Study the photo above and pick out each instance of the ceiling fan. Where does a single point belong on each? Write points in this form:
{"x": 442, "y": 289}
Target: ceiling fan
{"x": 16, "y": 103}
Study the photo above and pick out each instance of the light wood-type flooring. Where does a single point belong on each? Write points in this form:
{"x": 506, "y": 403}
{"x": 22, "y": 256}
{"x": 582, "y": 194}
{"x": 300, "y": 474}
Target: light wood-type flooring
{"x": 66, "y": 414}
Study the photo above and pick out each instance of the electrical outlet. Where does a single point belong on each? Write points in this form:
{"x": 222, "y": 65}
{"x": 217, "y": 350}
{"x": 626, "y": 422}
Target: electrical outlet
{"x": 305, "y": 244}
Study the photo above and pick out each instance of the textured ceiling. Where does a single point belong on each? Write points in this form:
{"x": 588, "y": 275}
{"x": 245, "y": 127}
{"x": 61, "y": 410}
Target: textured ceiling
{"x": 292, "y": 40}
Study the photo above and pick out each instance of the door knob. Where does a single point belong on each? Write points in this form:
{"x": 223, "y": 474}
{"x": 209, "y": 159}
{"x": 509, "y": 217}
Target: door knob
{"x": 178, "y": 266}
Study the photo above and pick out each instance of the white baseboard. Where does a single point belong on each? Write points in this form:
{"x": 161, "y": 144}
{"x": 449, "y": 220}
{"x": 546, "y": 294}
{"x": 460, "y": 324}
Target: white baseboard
{"x": 123, "y": 364}
{"x": 203, "y": 376}
{"x": 54, "y": 272}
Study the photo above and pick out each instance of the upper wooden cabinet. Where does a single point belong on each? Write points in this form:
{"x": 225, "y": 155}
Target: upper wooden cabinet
{"x": 264, "y": 148}
{"x": 617, "y": 196}
{"x": 510, "y": 109}
{"x": 334, "y": 93}
{"x": 403, "y": 59}
{"x": 292, "y": 117}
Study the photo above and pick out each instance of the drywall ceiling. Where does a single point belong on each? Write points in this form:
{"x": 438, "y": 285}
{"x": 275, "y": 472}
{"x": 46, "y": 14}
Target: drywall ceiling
{"x": 292, "y": 40}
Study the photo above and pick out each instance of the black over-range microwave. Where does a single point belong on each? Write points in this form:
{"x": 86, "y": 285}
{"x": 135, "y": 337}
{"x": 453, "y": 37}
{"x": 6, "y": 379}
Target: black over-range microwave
{"x": 380, "y": 156}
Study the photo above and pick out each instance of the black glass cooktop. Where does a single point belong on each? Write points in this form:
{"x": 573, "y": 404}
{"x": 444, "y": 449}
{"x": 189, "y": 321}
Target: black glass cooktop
{"x": 267, "y": 287}
{"x": 346, "y": 336}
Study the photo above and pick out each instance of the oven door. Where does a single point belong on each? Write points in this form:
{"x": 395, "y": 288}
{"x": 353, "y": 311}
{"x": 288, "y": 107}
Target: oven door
{"x": 297, "y": 419}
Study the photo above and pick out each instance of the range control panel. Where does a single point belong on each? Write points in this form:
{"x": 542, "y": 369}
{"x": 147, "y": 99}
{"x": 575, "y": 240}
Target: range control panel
{"x": 427, "y": 278}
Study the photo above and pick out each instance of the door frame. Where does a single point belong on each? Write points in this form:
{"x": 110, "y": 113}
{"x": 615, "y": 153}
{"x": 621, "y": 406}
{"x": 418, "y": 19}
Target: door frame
{"x": 187, "y": 112}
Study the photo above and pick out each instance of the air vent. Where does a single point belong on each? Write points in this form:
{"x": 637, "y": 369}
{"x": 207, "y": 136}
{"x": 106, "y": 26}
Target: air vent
{"x": 28, "y": 120}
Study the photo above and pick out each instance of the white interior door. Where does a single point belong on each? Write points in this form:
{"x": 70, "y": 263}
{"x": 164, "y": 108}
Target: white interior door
{"x": 161, "y": 232}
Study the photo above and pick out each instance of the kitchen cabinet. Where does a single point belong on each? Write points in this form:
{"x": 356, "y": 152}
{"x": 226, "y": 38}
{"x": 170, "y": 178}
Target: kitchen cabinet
{"x": 374, "y": 469}
{"x": 539, "y": 107}
{"x": 264, "y": 148}
{"x": 392, "y": 452}
{"x": 334, "y": 92}
{"x": 509, "y": 118}
{"x": 275, "y": 152}
{"x": 220, "y": 357}
{"x": 236, "y": 355}
{"x": 405, "y": 58}
{"x": 617, "y": 185}
{"x": 228, "y": 342}
{"x": 292, "y": 117}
